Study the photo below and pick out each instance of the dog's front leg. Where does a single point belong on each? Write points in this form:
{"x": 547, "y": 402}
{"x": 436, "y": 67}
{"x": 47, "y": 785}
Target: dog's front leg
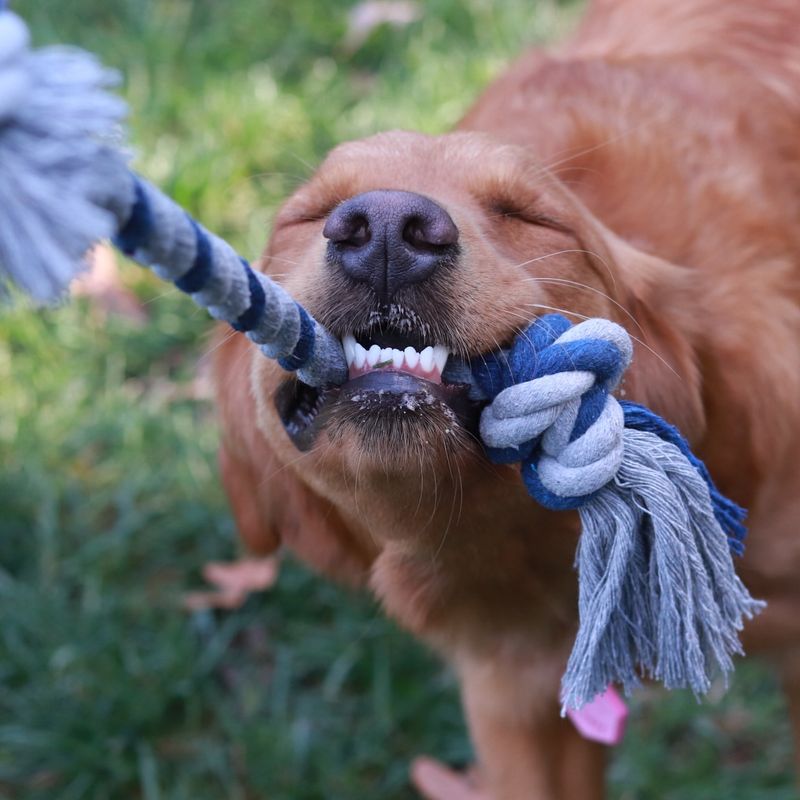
{"x": 526, "y": 750}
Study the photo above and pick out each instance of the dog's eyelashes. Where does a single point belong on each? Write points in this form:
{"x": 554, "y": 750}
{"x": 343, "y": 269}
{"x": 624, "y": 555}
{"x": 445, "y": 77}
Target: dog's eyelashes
{"x": 308, "y": 215}
{"x": 504, "y": 210}
{"x": 302, "y": 219}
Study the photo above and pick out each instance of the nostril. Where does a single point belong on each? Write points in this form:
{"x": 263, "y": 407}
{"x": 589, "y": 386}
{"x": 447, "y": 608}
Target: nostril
{"x": 431, "y": 232}
{"x": 421, "y": 235}
{"x": 414, "y": 235}
{"x": 349, "y": 229}
{"x": 360, "y": 234}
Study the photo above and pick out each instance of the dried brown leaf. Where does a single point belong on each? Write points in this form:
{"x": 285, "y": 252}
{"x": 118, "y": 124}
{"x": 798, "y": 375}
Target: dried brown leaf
{"x": 103, "y": 286}
{"x": 234, "y": 581}
{"x": 366, "y": 17}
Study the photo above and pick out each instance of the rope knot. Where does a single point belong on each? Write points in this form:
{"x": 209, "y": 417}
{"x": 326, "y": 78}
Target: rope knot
{"x": 553, "y": 410}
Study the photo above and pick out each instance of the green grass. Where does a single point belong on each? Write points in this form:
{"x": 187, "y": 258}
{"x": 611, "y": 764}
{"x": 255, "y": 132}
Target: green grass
{"x": 109, "y": 497}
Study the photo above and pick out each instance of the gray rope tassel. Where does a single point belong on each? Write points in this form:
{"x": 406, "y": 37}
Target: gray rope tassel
{"x": 54, "y": 117}
{"x": 658, "y": 593}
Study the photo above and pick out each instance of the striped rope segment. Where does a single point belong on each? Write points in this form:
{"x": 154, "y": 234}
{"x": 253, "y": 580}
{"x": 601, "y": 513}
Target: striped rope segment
{"x": 158, "y": 233}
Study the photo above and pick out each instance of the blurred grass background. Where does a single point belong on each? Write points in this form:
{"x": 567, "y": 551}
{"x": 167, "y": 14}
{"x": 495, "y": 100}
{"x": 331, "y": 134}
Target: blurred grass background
{"x": 109, "y": 498}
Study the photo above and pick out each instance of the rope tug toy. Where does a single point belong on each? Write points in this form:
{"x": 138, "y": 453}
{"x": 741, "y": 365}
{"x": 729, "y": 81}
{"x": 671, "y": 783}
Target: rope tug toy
{"x": 658, "y": 593}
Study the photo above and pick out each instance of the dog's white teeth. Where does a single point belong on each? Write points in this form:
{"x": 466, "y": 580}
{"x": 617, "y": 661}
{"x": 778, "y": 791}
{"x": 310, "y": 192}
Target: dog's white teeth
{"x": 349, "y": 345}
{"x": 440, "y": 355}
{"x": 426, "y": 359}
{"x": 360, "y": 356}
{"x": 430, "y": 359}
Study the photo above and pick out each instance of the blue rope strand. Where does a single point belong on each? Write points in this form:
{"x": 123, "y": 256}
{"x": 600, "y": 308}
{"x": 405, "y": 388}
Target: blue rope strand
{"x": 198, "y": 276}
{"x": 249, "y": 319}
{"x": 134, "y": 239}
{"x": 305, "y": 344}
{"x": 139, "y": 224}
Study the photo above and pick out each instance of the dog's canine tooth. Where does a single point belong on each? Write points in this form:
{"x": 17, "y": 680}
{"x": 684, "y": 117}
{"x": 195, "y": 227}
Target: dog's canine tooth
{"x": 440, "y": 355}
{"x": 349, "y": 345}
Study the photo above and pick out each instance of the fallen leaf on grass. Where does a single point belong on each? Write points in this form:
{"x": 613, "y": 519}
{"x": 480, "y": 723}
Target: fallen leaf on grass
{"x": 366, "y": 17}
{"x": 103, "y": 286}
{"x": 234, "y": 580}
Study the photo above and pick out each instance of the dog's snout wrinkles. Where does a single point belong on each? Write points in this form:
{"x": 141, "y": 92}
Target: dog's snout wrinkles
{"x": 390, "y": 239}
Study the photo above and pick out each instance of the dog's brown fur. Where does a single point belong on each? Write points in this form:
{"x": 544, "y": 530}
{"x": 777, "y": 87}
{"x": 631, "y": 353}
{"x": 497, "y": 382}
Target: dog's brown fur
{"x": 656, "y": 156}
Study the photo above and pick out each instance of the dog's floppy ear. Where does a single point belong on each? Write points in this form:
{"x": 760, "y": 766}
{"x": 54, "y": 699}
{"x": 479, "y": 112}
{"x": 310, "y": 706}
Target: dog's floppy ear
{"x": 654, "y": 300}
{"x": 271, "y": 505}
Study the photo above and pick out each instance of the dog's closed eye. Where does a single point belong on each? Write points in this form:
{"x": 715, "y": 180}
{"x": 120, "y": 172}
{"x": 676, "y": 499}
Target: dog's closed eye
{"x": 506, "y": 210}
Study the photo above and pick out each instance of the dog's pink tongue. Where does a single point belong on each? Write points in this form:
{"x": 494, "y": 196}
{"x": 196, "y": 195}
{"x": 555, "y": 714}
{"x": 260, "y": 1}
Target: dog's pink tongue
{"x": 602, "y": 720}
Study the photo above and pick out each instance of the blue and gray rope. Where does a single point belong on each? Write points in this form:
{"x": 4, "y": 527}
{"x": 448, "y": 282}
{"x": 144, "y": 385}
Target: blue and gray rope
{"x": 552, "y": 410}
{"x": 658, "y": 593}
{"x": 159, "y": 233}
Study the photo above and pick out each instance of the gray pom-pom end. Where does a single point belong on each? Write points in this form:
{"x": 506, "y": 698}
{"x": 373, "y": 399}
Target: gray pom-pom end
{"x": 59, "y": 174}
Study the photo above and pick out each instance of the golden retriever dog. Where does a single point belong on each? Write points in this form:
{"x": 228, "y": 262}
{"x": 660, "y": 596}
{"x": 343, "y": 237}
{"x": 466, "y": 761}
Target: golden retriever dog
{"x": 646, "y": 171}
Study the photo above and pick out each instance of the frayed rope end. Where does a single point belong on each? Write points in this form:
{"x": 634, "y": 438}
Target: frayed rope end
{"x": 60, "y": 178}
{"x": 730, "y": 516}
{"x": 659, "y": 596}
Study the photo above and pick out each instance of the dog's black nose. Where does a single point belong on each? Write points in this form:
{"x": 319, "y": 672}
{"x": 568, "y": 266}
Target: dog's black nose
{"x": 389, "y": 239}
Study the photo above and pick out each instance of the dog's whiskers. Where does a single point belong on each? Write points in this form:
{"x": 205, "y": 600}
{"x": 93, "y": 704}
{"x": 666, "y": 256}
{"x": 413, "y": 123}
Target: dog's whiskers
{"x": 579, "y": 285}
{"x": 548, "y": 166}
{"x": 284, "y": 259}
{"x": 591, "y": 253}
{"x": 224, "y": 340}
